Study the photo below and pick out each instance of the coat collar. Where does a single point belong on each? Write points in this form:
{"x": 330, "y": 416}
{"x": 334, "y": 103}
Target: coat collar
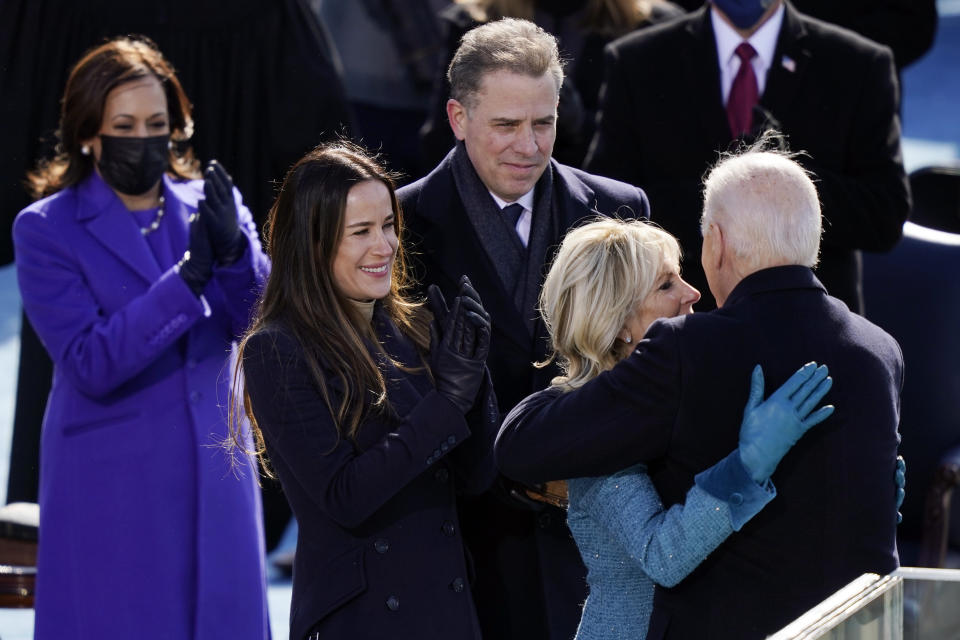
{"x": 107, "y": 219}
{"x": 774, "y": 279}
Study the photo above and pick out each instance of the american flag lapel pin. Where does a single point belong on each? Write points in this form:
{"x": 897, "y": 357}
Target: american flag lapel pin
{"x": 788, "y": 64}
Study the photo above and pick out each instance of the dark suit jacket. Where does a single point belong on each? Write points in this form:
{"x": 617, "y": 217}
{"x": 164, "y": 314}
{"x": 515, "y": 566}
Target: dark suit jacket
{"x": 677, "y": 402}
{"x": 379, "y": 551}
{"x": 832, "y": 92}
{"x": 530, "y": 578}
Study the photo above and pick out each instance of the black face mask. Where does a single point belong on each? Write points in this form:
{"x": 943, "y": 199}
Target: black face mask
{"x": 133, "y": 165}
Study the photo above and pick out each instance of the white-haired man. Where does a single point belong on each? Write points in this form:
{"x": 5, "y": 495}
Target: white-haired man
{"x": 676, "y": 404}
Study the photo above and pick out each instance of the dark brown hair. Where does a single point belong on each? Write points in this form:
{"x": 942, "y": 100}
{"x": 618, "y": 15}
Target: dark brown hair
{"x": 303, "y": 231}
{"x": 97, "y": 73}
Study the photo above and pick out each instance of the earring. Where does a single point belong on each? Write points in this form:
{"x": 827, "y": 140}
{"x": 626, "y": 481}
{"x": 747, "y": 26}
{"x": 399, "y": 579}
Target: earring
{"x": 628, "y": 339}
{"x": 85, "y": 149}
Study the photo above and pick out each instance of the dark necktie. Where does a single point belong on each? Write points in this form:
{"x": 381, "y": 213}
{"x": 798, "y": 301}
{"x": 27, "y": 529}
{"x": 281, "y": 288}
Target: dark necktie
{"x": 512, "y": 213}
{"x": 743, "y": 93}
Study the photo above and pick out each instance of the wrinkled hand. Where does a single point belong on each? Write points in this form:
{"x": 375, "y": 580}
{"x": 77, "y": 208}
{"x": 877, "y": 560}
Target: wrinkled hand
{"x": 219, "y": 211}
{"x": 900, "y": 480}
{"x": 459, "y": 344}
{"x": 196, "y": 266}
{"x": 771, "y": 427}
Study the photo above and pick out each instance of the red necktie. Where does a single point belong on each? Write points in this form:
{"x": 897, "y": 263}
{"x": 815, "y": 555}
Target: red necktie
{"x": 743, "y": 92}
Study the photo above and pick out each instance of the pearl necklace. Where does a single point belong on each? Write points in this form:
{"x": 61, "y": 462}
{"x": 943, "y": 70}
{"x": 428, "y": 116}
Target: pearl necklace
{"x": 150, "y": 228}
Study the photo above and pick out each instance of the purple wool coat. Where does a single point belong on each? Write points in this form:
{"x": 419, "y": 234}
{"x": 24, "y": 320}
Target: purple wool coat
{"x": 145, "y": 530}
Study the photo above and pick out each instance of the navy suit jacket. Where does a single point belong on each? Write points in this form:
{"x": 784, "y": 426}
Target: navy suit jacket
{"x": 677, "y": 403}
{"x": 833, "y": 93}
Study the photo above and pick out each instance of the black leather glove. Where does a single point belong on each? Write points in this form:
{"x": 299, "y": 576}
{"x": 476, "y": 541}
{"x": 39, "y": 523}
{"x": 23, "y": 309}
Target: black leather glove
{"x": 196, "y": 266}
{"x": 219, "y": 211}
{"x": 459, "y": 343}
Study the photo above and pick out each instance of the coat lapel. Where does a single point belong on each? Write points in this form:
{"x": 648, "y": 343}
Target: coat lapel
{"x": 109, "y": 222}
{"x": 703, "y": 72}
{"x": 456, "y": 250}
{"x": 790, "y": 62}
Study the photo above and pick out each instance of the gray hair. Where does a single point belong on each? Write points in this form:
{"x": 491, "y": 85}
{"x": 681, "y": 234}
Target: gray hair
{"x": 518, "y": 46}
{"x": 601, "y": 274}
{"x": 767, "y": 205}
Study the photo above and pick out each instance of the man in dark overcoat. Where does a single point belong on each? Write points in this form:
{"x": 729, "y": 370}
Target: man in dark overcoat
{"x": 495, "y": 208}
{"x": 676, "y": 403}
{"x": 672, "y": 94}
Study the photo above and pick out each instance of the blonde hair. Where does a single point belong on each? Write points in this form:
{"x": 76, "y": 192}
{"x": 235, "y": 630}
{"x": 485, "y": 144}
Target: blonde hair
{"x": 601, "y": 274}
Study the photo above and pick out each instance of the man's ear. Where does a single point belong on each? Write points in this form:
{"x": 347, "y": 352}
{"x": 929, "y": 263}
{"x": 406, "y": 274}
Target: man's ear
{"x": 457, "y": 115}
{"x": 715, "y": 253}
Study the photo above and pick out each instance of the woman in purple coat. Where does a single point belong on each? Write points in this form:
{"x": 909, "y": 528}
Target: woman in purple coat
{"x": 137, "y": 278}
{"x": 374, "y": 412}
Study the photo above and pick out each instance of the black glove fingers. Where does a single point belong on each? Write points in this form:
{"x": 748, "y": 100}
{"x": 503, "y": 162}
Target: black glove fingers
{"x": 460, "y": 336}
{"x": 471, "y": 305}
{"x": 224, "y": 183}
{"x": 482, "y": 348}
{"x": 437, "y": 304}
{"x": 449, "y": 336}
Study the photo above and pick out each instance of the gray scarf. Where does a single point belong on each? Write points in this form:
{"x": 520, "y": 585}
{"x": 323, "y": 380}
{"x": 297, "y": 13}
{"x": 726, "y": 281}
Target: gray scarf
{"x": 520, "y": 270}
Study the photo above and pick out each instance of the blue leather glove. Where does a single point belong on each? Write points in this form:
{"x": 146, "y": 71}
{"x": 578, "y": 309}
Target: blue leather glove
{"x": 900, "y": 479}
{"x": 459, "y": 343}
{"x": 771, "y": 427}
{"x": 218, "y": 210}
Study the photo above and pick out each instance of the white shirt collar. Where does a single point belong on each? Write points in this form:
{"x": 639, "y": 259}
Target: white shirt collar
{"x": 525, "y": 201}
{"x": 526, "y": 218}
{"x": 763, "y": 40}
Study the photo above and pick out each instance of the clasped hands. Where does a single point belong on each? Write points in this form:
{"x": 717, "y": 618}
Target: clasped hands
{"x": 215, "y": 234}
{"x": 459, "y": 344}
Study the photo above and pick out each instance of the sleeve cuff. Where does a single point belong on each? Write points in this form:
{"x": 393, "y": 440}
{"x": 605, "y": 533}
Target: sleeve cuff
{"x": 729, "y": 481}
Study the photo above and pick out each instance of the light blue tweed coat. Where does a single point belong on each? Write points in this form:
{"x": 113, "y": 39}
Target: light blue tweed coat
{"x": 629, "y": 542}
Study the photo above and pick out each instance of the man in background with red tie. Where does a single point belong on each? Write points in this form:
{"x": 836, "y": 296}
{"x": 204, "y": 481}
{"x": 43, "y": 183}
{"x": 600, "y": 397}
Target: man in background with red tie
{"x": 676, "y": 95}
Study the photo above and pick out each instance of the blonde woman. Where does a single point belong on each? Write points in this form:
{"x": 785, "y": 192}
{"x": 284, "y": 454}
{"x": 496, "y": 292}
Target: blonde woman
{"x": 610, "y": 280}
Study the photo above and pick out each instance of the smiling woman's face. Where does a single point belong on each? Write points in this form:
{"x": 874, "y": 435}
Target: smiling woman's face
{"x": 363, "y": 264}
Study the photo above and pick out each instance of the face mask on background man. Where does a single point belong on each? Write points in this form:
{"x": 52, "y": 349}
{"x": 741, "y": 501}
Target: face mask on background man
{"x": 743, "y": 13}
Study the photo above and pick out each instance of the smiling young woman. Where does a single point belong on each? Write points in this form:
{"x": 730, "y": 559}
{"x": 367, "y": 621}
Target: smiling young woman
{"x": 373, "y": 412}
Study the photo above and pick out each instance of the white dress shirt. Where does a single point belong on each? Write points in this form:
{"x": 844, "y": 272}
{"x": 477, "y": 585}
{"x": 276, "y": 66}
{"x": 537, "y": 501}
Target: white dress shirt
{"x": 763, "y": 41}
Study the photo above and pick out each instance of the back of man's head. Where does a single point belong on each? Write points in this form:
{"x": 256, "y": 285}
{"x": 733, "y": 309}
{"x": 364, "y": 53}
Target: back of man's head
{"x": 767, "y": 207}
{"x": 518, "y": 46}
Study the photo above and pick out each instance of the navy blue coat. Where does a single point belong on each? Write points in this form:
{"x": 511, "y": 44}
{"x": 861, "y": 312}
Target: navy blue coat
{"x": 379, "y": 552}
{"x": 677, "y": 403}
{"x": 530, "y": 578}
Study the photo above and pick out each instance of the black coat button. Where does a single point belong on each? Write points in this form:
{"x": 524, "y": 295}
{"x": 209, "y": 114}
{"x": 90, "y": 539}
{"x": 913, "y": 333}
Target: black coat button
{"x": 457, "y": 585}
{"x": 448, "y": 529}
{"x": 381, "y": 545}
{"x": 442, "y": 475}
{"x": 544, "y": 520}
{"x": 393, "y": 603}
